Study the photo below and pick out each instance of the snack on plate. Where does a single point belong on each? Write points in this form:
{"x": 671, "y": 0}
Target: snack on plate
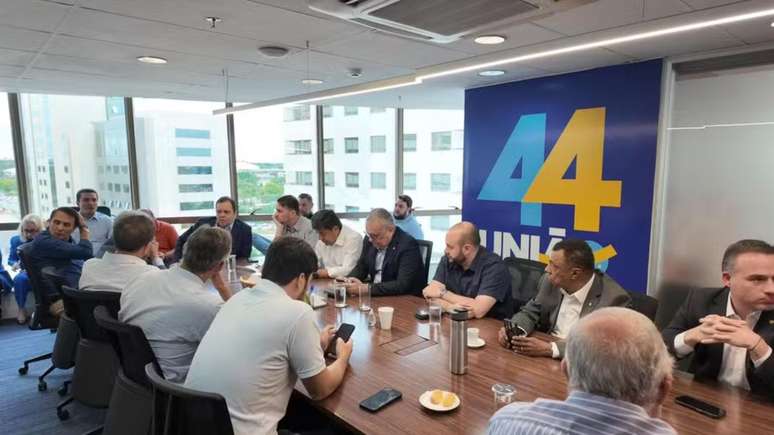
{"x": 449, "y": 399}
{"x": 246, "y": 282}
{"x": 436, "y": 397}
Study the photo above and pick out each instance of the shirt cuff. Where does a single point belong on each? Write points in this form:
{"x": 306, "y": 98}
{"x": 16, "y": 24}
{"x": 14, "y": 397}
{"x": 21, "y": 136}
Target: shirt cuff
{"x": 682, "y": 349}
{"x": 554, "y": 350}
{"x": 757, "y": 363}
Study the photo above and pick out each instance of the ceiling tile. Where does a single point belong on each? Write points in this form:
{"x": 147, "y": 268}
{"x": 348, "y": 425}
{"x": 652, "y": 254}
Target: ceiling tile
{"x": 32, "y": 14}
{"x": 15, "y": 57}
{"x": 706, "y": 39}
{"x": 22, "y": 39}
{"x": 516, "y": 36}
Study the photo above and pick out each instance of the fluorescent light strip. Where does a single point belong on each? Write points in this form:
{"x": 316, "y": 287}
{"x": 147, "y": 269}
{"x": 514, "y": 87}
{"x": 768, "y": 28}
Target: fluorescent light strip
{"x": 539, "y": 55}
{"x": 738, "y": 124}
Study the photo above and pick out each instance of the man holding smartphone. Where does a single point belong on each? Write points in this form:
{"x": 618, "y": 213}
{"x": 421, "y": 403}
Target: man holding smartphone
{"x": 264, "y": 339}
{"x": 730, "y": 330}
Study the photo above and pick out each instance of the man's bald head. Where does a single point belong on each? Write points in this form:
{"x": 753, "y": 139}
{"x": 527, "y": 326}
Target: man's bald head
{"x": 465, "y": 233}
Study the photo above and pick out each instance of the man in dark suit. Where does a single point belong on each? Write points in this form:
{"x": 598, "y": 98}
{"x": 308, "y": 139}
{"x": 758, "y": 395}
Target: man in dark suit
{"x": 226, "y": 213}
{"x": 390, "y": 259}
{"x": 730, "y": 330}
{"x": 570, "y": 289}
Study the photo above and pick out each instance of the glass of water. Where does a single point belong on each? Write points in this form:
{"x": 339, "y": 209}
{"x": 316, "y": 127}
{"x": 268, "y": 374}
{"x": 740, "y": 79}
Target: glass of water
{"x": 503, "y": 394}
{"x": 365, "y": 297}
{"x": 435, "y": 311}
{"x": 340, "y": 295}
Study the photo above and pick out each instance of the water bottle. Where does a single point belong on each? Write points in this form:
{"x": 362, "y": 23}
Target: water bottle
{"x": 458, "y": 353}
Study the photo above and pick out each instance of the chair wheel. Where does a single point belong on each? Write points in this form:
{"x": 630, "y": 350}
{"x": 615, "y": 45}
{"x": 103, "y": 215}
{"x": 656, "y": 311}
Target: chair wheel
{"x": 63, "y": 414}
{"x": 42, "y": 386}
{"x": 62, "y": 391}
{"x": 23, "y": 370}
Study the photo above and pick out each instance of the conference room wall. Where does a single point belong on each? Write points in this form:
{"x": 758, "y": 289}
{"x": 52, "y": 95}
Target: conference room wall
{"x": 717, "y": 181}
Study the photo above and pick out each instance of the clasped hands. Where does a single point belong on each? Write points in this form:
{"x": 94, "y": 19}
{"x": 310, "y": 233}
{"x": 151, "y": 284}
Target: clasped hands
{"x": 720, "y": 329}
{"x": 529, "y": 346}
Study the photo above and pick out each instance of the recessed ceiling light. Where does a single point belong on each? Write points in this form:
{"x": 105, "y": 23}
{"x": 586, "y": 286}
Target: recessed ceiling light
{"x": 490, "y": 39}
{"x": 152, "y": 59}
{"x": 312, "y": 81}
{"x": 491, "y": 73}
{"x": 772, "y": 24}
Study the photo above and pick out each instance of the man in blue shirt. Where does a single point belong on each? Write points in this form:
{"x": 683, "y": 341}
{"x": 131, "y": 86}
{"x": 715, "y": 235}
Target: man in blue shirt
{"x": 100, "y": 225}
{"x": 471, "y": 277}
{"x": 55, "y": 247}
{"x": 403, "y": 215}
{"x": 614, "y": 389}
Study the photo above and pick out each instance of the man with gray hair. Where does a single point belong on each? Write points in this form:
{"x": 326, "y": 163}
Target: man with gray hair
{"x": 134, "y": 244}
{"x": 619, "y": 374}
{"x": 175, "y": 307}
{"x": 389, "y": 260}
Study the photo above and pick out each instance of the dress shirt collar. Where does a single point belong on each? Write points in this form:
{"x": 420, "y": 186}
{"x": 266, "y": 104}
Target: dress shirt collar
{"x": 751, "y": 319}
{"x": 581, "y": 294}
{"x": 582, "y": 397}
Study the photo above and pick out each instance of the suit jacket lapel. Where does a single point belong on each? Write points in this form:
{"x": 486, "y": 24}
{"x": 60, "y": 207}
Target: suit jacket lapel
{"x": 594, "y": 295}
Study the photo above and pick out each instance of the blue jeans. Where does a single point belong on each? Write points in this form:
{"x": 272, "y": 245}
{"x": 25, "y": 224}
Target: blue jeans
{"x": 21, "y": 287}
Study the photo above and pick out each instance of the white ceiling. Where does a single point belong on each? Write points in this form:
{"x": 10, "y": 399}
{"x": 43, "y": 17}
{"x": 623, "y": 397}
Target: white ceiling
{"x": 91, "y": 46}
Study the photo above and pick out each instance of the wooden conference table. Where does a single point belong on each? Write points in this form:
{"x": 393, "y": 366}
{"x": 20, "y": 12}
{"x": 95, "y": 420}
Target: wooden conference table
{"x": 412, "y": 357}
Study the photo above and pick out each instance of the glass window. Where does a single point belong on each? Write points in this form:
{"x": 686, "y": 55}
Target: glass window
{"x": 328, "y": 146}
{"x": 409, "y": 181}
{"x": 378, "y": 110}
{"x": 201, "y": 205}
{"x": 329, "y": 179}
{"x": 352, "y": 179}
{"x": 428, "y": 130}
{"x": 193, "y": 152}
{"x": 188, "y": 188}
{"x": 180, "y": 143}
{"x": 298, "y": 147}
{"x": 378, "y": 144}
{"x": 350, "y": 145}
{"x": 126, "y": 188}
{"x": 440, "y": 182}
{"x": 297, "y": 113}
{"x": 264, "y": 170}
{"x": 441, "y": 140}
{"x": 64, "y": 132}
{"x": 378, "y": 180}
{"x": 329, "y": 206}
{"x": 349, "y": 111}
{"x": 377, "y": 166}
{"x": 327, "y": 111}
{"x": 351, "y": 209}
{"x": 409, "y": 142}
{"x": 439, "y": 223}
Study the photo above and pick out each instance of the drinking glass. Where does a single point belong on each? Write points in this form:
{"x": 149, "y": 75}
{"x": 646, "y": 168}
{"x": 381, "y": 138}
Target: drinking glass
{"x": 340, "y": 295}
{"x": 435, "y": 311}
{"x": 365, "y": 297}
{"x": 503, "y": 394}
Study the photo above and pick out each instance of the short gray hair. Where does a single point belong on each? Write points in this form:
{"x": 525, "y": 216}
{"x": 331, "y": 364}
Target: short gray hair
{"x": 382, "y": 216}
{"x": 617, "y": 353}
{"x": 206, "y": 247}
{"x": 30, "y": 219}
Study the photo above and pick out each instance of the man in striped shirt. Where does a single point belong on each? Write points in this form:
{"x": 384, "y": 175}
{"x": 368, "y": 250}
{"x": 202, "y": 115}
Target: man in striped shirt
{"x": 619, "y": 374}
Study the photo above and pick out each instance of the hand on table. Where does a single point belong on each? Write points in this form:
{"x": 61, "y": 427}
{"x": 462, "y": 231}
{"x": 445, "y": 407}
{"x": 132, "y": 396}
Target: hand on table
{"x": 720, "y": 329}
{"x": 353, "y": 286}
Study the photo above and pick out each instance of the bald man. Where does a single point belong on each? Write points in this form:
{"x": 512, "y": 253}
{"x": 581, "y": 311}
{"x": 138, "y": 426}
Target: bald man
{"x": 469, "y": 276}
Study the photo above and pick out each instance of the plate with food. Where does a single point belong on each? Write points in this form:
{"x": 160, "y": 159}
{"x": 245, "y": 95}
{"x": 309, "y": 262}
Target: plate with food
{"x": 439, "y": 400}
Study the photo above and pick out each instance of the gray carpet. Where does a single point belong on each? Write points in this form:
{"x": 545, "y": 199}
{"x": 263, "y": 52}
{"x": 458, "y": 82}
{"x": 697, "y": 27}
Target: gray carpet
{"x": 24, "y": 410}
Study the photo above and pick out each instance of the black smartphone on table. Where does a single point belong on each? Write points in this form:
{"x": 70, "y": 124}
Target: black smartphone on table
{"x": 381, "y": 399}
{"x": 344, "y": 332}
{"x": 513, "y": 330}
{"x": 700, "y": 406}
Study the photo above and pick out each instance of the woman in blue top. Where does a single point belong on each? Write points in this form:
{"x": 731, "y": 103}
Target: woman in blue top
{"x": 30, "y": 226}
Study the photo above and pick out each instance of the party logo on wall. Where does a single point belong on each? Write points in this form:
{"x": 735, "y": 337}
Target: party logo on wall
{"x": 566, "y": 156}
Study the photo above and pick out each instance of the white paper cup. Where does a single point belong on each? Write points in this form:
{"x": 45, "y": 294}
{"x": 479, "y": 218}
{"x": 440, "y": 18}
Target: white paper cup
{"x": 472, "y": 335}
{"x": 385, "y": 317}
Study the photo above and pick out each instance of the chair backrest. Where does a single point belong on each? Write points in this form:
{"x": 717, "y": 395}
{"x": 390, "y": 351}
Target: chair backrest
{"x": 178, "y": 410}
{"x": 426, "y": 252}
{"x": 131, "y": 345}
{"x": 43, "y": 289}
{"x": 80, "y": 304}
{"x": 525, "y": 276}
{"x": 644, "y": 304}
{"x": 670, "y": 298}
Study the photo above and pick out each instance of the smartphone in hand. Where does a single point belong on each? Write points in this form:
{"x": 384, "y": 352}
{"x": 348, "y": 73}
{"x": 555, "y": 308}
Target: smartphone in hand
{"x": 344, "y": 332}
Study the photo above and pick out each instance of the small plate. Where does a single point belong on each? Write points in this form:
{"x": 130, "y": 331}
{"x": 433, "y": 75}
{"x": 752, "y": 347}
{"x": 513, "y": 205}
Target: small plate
{"x": 477, "y": 344}
{"x": 424, "y": 400}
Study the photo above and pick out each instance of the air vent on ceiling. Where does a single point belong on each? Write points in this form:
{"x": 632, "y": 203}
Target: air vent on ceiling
{"x": 441, "y": 21}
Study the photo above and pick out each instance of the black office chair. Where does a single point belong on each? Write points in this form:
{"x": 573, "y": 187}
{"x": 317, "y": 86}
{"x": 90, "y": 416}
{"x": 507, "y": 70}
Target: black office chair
{"x": 525, "y": 276}
{"x": 45, "y": 294}
{"x": 96, "y": 364}
{"x": 178, "y": 410}
{"x": 130, "y": 409}
{"x": 426, "y": 252}
{"x": 670, "y": 298}
{"x": 644, "y": 304}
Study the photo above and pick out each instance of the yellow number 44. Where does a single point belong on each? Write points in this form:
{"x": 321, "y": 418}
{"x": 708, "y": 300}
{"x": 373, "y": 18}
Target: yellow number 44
{"x": 582, "y": 141}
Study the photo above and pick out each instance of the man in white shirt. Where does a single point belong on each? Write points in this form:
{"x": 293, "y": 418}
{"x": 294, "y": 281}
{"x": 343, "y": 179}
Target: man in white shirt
{"x": 133, "y": 237}
{"x": 100, "y": 225}
{"x": 175, "y": 307}
{"x": 730, "y": 330}
{"x": 290, "y": 223}
{"x": 264, "y": 339}
{"x": 570, "y": 289}
{"x": 339, "y": 246}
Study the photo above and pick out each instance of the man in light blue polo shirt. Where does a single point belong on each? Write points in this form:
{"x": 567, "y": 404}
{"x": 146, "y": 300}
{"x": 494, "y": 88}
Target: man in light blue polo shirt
{"x": 100, "y": 225}
{"x": 403, "y": 214}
